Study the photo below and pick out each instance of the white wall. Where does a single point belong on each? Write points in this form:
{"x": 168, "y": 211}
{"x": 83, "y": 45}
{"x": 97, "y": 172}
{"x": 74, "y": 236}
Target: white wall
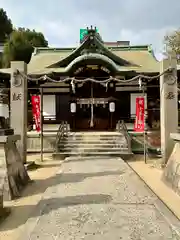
{"x": 49, "y": 106}
{"x": 133, "y": 102}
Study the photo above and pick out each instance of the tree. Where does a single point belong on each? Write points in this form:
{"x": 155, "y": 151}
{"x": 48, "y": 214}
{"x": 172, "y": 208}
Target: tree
{"x": 20, "y": 45}
{"x": 173, "y": 41}
{"x": 36, "y": 39}
{"x": 6, "y": 26}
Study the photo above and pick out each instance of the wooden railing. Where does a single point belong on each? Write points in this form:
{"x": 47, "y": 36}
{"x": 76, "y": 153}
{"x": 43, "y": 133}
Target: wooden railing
{"x": 123, "y": 129}
{"x": 61, "y": 134}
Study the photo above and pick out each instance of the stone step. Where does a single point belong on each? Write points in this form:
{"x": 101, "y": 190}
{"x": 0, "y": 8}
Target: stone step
{"x": 92, "y": 145}
{"x": 98, "y": 136}
{"x": 124, "y": 155}
{"x": 93, "y": 140}
{"x": 88, "y": 149}
{"x": 97, "y": 143}
{"x": 95, "y": 136}
{"x": 102, "y": 144}
{"x": 94, "y": 133}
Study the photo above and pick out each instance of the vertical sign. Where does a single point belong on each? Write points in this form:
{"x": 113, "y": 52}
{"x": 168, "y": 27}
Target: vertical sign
{"x": 18, "y": 106}
{"x": 36, "y": 111}
{"x": 83, "y": 33}
{"x": 140, "y": 119}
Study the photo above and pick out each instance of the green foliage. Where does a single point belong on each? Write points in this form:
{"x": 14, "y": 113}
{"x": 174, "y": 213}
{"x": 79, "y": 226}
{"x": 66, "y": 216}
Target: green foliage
{"x": 17, "y": 48}
{"x": 20, "y": 45}
{"x": 5, "y": 26}
{"x": 173, "y": 41}
{"x": 36, "y": 39}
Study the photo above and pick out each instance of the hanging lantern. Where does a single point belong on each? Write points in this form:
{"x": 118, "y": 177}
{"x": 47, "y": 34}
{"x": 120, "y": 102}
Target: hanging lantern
{"x": 73, "y": 107}
{"x": 112, "y": 107}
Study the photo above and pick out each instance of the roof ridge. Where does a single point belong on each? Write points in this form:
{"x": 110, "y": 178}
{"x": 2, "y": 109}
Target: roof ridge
{"x": 131, "y": 47}
{"x": 37, "y": 50}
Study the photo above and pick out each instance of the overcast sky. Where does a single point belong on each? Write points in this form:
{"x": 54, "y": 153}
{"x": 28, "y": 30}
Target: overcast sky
{"x": 140, "y": 21}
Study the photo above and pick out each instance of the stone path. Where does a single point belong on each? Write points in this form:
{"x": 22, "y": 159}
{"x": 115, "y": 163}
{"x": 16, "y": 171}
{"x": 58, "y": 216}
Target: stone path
{"x": 96, "y": 199}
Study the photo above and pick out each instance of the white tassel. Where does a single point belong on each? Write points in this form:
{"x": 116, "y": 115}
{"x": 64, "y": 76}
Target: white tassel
{"x": 140, "y": 84}
{"x": 92, "y": 116}
{"x": 73, "y": 86}
{"x": 106, "y": 86}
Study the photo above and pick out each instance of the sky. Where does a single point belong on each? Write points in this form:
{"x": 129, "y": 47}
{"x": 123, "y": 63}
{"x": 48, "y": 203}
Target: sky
{"x": 139, "y": 21}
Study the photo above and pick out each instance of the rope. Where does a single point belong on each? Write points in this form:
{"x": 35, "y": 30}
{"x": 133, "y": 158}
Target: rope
{"x": 75, "y": 80}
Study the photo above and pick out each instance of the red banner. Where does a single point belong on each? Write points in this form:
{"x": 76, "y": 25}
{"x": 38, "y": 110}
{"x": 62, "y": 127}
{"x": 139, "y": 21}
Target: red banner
{"x": 36, "y": 111}
{"x": 140, "y": 120}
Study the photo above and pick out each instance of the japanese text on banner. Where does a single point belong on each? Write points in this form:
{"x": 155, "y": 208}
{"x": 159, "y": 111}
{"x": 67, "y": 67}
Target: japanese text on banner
{"x": 140, "y": 119}
{"x": 36, "y": 111}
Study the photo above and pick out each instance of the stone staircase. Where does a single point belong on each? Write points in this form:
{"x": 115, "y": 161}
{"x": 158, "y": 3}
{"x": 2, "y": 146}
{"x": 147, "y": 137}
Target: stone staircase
{"x": 94, "y": 144}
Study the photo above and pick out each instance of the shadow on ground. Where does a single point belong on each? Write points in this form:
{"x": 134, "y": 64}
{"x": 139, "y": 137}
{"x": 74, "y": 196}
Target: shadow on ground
{"x": 45, "y": 206}
{"x": 39, "y": 186}
{"x": 66, "y": 178}
{"x": 49, "y": 165}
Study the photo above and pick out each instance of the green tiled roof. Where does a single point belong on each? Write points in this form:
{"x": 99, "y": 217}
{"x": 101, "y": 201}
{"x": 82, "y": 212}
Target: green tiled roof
{"x": 141, "y": 58}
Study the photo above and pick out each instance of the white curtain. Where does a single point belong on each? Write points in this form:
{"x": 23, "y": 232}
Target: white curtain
{"x": 4, "y": 110}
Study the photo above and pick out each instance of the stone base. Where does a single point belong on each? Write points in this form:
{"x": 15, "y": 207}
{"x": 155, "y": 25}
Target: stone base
{"x": 4, "y": 212}
{"x": 34, "y": 142}
{"x": 171, "y": 175}
{"x": 13, "y": 174}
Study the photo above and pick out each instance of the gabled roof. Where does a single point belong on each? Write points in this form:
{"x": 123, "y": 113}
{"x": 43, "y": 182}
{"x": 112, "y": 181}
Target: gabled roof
{"x": 91, "y": 43}
{"x": 142, "y": 58}
{"x": 122, "y": 58}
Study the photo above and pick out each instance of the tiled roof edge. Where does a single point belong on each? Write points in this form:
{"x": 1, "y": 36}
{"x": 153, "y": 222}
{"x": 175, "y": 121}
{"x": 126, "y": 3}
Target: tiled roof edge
{"x": 135, "y": 48}
{"x": 121, "y": 48}
{"x": 48, "y": 49}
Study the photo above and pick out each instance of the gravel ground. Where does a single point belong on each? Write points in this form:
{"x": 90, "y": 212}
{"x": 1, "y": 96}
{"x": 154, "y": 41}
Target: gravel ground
{"x": 99, "y": 198}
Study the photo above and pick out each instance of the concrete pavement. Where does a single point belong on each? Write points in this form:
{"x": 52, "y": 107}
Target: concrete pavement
{"x": 162, "y": 190}
{"x": 99, "y": 198}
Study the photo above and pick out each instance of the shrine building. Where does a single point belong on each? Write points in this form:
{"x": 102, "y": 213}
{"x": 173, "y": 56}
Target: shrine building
{"x": 87, "y": 104}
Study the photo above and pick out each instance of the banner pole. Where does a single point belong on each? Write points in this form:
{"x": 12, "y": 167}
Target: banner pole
{"x": 145, "y": 152}
{"x": 41, "y": 121}
{"x": 142, "y": 88}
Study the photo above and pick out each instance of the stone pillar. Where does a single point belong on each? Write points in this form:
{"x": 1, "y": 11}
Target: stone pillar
{"x": 18, "y": 103}
{"x": 168, "y": 106}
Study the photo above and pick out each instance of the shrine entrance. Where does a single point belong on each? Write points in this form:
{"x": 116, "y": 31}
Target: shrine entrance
{"x": 92, "y": 97}
{"x": 92, "y": 108}
{"x": 100, "y": 118}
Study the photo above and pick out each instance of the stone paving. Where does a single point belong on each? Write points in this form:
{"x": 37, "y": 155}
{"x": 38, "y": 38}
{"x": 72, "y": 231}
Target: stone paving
{"x": 100, "y": 198}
